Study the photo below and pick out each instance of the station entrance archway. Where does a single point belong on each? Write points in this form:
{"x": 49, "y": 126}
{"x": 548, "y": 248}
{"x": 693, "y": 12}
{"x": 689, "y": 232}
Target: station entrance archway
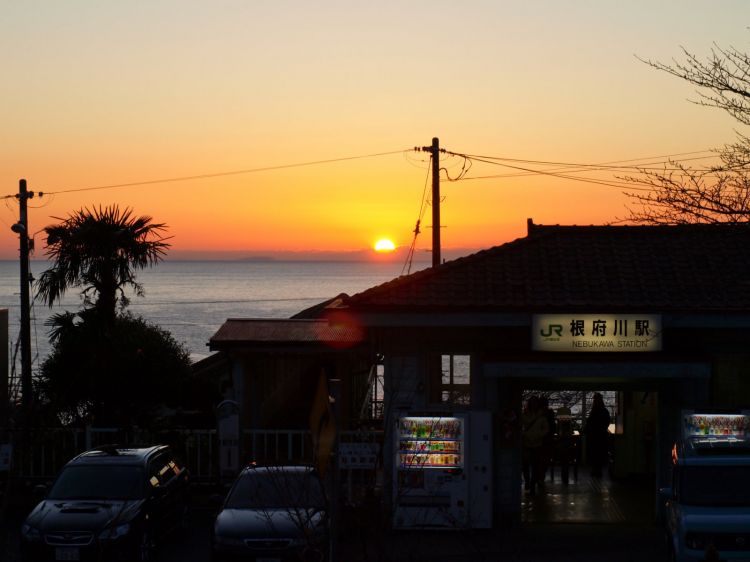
{"x": 570, "y": 492}
{"x": 651, "y": 395}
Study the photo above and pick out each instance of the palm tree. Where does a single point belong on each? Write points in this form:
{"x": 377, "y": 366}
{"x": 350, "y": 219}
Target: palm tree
{"x": 100, "y": 251}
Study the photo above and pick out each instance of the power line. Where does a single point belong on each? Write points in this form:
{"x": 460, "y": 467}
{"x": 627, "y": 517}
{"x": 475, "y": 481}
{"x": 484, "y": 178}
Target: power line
{"x": 422, "y": 208}
{"x": 607, "y": 183}
{"x": 660, "y": 158}
{"x": 219, "y": 301}
{"x": 577, "y": 168}
{"x": 602, "y": 168}
{"x": 223, "y": 301}
{"x": 560, "y": 176}
{"x": 219, "y": 174}
{"x": 572, "y": 168}
{"x": 462, "y": 175}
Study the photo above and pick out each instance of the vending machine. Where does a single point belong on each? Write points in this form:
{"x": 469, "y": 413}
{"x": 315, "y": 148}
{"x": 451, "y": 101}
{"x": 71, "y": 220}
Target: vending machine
{"x": 433, "y": 484}
{"x": 713, "y": 425}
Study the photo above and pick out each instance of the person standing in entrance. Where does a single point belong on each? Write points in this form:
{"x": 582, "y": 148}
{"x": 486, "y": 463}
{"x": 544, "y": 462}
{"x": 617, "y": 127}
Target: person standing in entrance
{"x": 549, "y": 439}
{"x": 565, "y": 446}
{"x": 535, "y": 428}
{"x": 597, "y": 435}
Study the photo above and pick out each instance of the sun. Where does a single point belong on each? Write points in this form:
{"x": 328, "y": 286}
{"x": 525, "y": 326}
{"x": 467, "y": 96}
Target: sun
{"x": 384, "y": 245}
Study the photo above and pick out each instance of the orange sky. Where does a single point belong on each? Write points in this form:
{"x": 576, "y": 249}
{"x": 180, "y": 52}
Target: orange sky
{"x": 106, "y": 93}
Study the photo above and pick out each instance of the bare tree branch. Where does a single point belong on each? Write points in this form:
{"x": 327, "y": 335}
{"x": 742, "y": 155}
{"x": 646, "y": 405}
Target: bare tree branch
{"x": 679, "y": 194}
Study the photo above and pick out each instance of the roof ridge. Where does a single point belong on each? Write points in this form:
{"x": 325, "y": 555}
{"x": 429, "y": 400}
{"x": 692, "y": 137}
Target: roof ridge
{"x": 664, "y": 266}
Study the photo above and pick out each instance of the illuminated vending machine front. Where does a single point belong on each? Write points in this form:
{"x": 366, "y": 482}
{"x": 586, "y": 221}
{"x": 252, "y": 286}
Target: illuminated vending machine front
{"x": 699, "y": 426}
{"x": 430, "y": 485}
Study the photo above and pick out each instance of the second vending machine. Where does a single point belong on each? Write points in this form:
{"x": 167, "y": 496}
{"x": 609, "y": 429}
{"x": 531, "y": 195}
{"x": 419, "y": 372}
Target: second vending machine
{"x": 436, "y": 482}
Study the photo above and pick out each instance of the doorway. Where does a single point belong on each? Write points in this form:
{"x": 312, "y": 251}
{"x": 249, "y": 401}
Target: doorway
{"x": 570, "y": 492}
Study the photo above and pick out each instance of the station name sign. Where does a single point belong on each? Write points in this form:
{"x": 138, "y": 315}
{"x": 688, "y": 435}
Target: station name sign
{"x": 596, "y": 332}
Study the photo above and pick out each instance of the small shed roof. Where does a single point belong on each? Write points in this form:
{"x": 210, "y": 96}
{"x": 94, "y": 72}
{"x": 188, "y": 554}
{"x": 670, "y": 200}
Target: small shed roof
{"x": 332, "y": 332}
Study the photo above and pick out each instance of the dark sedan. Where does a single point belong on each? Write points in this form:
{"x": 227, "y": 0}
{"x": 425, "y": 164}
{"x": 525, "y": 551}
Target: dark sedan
{"x": 273, "y": 514}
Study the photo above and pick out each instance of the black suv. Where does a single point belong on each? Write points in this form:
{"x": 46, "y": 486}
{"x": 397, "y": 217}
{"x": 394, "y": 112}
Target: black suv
{"x": 110, "y": 503}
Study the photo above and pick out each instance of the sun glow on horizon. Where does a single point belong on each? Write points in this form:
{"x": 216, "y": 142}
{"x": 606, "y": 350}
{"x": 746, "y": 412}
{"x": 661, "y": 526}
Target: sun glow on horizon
{"x": 384, "y": 245}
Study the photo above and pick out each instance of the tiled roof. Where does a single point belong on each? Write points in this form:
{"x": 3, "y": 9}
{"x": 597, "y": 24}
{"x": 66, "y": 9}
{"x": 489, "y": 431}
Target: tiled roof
{"x": 318, "y": 311}
{"x": 280, "y": 332}
{"x": 692, "y": 268}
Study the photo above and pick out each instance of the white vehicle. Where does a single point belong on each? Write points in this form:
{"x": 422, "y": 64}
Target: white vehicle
{"x": 707, "y": 510}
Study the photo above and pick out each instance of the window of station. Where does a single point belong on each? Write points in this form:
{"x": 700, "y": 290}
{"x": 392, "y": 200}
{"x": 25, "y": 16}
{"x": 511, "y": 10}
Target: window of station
{"x": 368, "y": 390}
{"x": 455, "y": 379}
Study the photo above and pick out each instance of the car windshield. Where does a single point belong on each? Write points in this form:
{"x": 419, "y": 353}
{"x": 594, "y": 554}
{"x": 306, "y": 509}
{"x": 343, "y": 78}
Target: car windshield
{"x": 715, "y": 485}
{"x": 272, "y": 489}
{"x": 102, "y": 482}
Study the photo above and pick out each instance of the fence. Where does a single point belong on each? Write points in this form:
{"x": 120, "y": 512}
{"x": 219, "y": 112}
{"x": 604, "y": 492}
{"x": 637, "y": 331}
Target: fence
{"x": 52, "y": 448}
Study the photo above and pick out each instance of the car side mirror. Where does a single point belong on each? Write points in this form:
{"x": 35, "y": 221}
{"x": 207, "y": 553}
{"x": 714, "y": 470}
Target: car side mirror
{"x": 38, "y": 493}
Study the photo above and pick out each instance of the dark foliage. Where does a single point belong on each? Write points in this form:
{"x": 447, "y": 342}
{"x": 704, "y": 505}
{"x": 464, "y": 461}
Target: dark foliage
{"x": 99, "y": 251}
{"x": 107, "y": 367}
{"x": 132, "y": 377}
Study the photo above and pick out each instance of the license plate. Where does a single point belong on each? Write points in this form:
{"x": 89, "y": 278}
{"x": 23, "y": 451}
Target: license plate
{"x": 67, "y": 553}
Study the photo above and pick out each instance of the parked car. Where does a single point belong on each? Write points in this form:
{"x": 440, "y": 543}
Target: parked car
{"x": 109, "y": 503}
{"x": 273, "y": 514}
{"x": 707, "y": 509}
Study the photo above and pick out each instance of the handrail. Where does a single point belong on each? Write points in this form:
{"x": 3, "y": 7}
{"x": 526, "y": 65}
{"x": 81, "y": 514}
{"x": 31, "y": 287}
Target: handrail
{"x": 53, "y": 447}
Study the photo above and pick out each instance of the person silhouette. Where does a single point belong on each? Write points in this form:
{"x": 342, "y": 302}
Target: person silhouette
{"x": 565, "y": 446}
{"x": 535, "y": 428}
{"x": 597, "y": 435}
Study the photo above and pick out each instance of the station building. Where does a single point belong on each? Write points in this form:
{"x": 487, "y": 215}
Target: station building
{"x": 658, "y": 315}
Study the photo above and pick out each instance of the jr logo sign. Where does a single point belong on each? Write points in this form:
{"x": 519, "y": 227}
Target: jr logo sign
{"x": 580, "y": 332}
{"x": 555, "y": 329}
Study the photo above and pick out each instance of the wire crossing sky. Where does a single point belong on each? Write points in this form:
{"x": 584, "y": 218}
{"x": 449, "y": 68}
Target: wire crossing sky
{"x": 253, "y": 126}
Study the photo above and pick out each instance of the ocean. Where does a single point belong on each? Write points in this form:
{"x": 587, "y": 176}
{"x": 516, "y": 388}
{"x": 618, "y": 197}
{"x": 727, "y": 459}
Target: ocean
{"x": 191, "y": 299}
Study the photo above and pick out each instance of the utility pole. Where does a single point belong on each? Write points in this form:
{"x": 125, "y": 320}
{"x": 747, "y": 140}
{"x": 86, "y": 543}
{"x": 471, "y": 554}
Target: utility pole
{"x": 22, "y": 229}
{"x": 435, "y": 202}
{"x": 435, "y": 151}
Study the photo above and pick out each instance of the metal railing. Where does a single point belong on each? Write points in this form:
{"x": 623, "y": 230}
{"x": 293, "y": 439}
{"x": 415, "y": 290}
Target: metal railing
{"x": 52, "y": 448}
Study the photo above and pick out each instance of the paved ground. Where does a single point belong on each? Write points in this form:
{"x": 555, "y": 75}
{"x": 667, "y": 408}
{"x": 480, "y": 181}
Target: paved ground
{"x": 628, "y": 535}
{"x": 585, "y": 520}
{"x": 527, "y": 543}
{"x": 530, "y": 543}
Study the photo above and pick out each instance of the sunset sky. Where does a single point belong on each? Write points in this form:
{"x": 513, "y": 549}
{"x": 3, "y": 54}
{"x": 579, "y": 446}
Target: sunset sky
{"x": 110, "y": 92}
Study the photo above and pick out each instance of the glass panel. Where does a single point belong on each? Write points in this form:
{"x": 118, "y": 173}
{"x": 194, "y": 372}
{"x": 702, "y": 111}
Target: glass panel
{"x": 445, "y": 362}
{"x": 461, "y": 369}
{"x": 456, "y": 379}
{"x": 277, "y": 488}
{"x": 98, "y": 482}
